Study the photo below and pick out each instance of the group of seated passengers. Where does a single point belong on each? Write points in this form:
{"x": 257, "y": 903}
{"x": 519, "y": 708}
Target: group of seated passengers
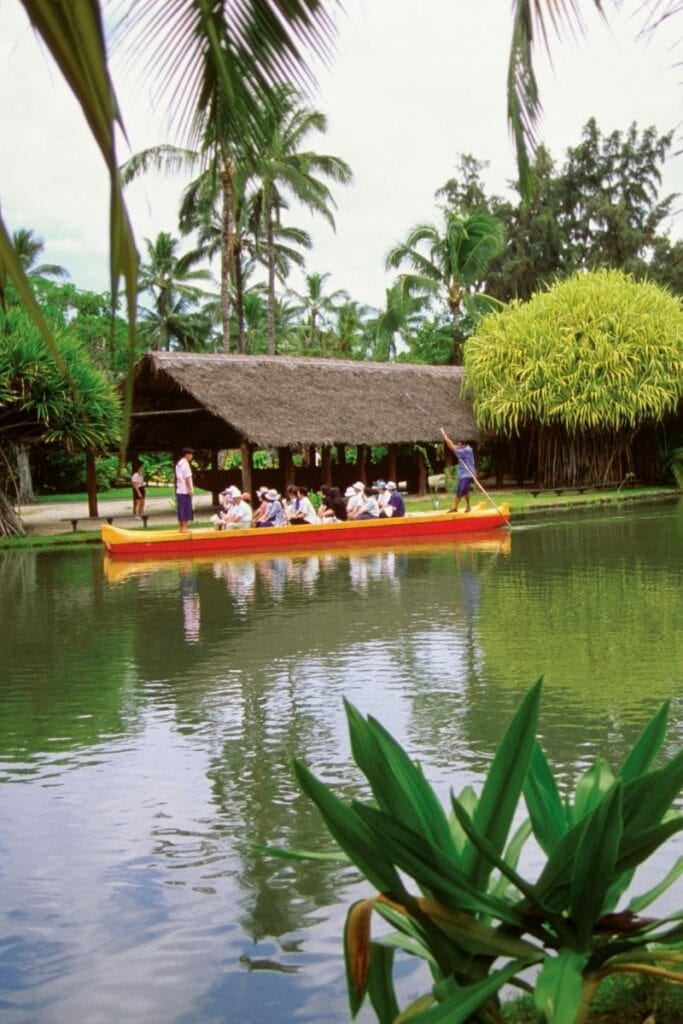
{"x": 358, "y": 502}
{"x": 382, "y": 501}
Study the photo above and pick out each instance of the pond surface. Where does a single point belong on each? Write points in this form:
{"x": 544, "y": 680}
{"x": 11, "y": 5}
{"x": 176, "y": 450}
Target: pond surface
{"x": 149, "y": 715}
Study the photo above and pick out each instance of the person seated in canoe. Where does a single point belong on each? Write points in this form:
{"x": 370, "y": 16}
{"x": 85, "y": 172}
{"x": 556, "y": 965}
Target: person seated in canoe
{"x": 238, "y": 515}
{"x": 221, "y": 517}
{"x": 383, "y": 496}
{"x": 333, "y": 508}
{"x": 301, "y": 510}
{"x": 395, "y": 507}
{"x": 275, "y": 513}
{"x": 355, "y": 500}
{"x": 371, "y": 510}
{"x": 261, "y": 507}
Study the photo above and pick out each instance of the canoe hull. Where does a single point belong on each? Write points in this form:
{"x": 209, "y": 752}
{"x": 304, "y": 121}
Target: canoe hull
{"x": 437, "y": 527}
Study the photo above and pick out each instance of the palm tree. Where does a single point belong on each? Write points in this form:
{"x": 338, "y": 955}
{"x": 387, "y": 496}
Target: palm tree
{"x": 397, "y": 318}
{"x": 285, "y": 170}
{"x": 29, "y": 248}
{"x": 450, "y": 264}
{"x": 315, "y": 304}
{"x": 171, "y": 280}
{"x": 351, "y": 339}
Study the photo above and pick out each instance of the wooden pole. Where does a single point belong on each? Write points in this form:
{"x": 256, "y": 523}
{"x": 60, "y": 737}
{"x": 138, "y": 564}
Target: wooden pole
{"x": 247, "y": 467}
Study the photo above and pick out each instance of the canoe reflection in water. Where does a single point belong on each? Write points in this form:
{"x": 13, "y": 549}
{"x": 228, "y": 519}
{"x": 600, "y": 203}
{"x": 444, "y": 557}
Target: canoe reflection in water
{"x": 191, "y": 604}
{"x": 247, "y": 578}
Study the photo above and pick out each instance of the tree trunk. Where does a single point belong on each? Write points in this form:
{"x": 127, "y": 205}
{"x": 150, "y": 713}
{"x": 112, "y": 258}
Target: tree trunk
{"x": 270, "y": 255}
{"x": 10, "y": 523}
{"x": 227, "y": 251}
{"x": 91, "y": 481}
{"x": 25, "y": 495}
{"x": 239, "y": 303}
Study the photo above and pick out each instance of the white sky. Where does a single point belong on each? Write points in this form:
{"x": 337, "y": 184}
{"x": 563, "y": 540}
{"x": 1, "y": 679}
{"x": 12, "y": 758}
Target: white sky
{"x": 413, "y": 84}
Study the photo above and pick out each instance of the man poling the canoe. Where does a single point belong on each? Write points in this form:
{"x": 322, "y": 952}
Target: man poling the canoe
{"x": 466, "y": 473}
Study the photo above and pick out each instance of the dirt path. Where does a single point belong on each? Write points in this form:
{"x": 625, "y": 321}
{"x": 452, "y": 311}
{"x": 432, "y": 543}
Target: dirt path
{"x": 49, "y": 518}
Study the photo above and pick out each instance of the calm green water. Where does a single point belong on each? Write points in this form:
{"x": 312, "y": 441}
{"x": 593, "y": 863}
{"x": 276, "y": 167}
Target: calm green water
{"x": 149, "y": 716}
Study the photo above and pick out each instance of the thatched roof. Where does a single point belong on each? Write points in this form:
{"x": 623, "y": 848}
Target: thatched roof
{"x": 215, "y": 401}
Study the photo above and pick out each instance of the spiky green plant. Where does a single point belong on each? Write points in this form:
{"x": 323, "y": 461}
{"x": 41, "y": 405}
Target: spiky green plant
{"x": 581, "y": 366}
{"x": 450, "y": 887}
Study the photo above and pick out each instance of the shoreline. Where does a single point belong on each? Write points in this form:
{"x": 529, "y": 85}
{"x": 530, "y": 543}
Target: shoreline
{"x": 48, "y": 525}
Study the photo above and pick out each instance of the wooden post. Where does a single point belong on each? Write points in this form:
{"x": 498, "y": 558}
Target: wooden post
{"x": 421, "y": 474}
{"x": 91, "y": 478}
{"x": 286, "y": 466}
{"x": 326, "y": 467}
{"x": 361, "y": 456}
{"x": 247, "y": 467}
{"x": 215, "y": 494}
{"x": 392, "y": 463}
{"x": 341, "y": 454}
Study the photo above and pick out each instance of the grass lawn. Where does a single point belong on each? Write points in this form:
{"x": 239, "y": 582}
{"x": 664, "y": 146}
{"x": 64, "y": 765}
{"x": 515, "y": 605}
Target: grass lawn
{"x": 124, "y": 493}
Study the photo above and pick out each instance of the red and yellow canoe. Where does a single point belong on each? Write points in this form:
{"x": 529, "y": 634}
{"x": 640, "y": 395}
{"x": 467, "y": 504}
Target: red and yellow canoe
{"x": 436, "y": 527}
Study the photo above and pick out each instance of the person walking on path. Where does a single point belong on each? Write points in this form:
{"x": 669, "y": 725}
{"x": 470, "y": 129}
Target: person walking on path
{"x": 184, "y": 489}
{"x": 466, "y": 470}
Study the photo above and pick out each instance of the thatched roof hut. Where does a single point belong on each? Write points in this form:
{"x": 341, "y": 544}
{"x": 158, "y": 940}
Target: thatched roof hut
{"x": 222, "y": 401}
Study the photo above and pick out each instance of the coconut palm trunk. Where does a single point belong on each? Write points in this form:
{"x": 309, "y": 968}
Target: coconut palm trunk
{"x": 270, "y": 257}
{"x": 227, "y": 253}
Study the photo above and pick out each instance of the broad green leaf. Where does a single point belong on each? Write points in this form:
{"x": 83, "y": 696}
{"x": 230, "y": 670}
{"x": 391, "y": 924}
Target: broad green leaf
{"x": 397, "y": 783}
{"x": 403, "y": 942}
{"x": 591, "y": 789}
{"x": 547, "y": 812}
{"x": 647, "y": 746}
{"x": 351, "y": 833}
{"x": 648, "y": 797}
{"x": 465, "y": 1001}
{"x": 553, "y": 886}
{"x": 511, "y": 857}
{"x": 433, "y": 871}
{"x": 415, "y": 1008}
{"x": 475, "y": 936}
{"x": 639, "y": 903}
{"x": 638, "y": 846}
{"x": 428, "y": 942}
{"x": 500, "y": 795}
{"x": 529, "y": 891}
{"x": 596, "y": 855}
{"x": 467, "y": 798}
{"x": 381, "y": 985}
{"x": 558, "y": 990}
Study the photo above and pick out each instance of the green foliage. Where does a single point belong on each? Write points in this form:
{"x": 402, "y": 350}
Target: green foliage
{"x": 449, "y": 884}
{"x": 76, "y": 407}
{"x": 448, "y": 264}
{"x": 596, "y": 352}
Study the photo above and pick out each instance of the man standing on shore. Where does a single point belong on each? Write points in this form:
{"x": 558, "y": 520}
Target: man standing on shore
{"x": 466, "y": 470}
{"x": 184, "y": 489}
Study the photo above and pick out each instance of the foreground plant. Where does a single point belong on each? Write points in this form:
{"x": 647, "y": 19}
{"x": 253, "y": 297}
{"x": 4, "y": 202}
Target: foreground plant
{"x": 469, "y": 914}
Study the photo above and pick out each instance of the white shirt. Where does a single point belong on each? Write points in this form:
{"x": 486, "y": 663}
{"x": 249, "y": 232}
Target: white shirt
{"x": 183, "y": 477}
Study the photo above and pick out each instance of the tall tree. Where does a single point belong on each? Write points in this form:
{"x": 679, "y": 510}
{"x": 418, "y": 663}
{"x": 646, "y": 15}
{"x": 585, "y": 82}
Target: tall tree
{"x": 316, "y": 305}
{"x": 285, "y": 170}
{"x": 450, "y": 264}
{"x": 609, "y": 196}
{"x": 396, "y": 320}
{"x": 172, "y": 281}
{"x": 29, "y": 248}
